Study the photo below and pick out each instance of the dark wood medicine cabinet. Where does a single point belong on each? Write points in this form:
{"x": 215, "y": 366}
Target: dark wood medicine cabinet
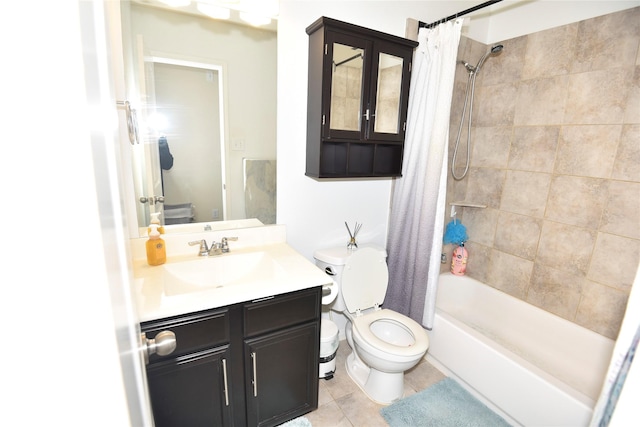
{"x": 358, "y": 94}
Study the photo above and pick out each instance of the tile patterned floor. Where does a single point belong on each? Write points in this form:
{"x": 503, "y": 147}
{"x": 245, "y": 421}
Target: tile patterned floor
{"x": 341, "y": 403}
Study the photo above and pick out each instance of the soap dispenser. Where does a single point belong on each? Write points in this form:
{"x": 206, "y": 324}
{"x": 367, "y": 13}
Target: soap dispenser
{"x": 156, "y": 250}
{"x": 155, "y": 219}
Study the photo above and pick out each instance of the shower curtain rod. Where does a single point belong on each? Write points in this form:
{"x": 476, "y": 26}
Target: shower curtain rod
{"x": 462, "y": 13}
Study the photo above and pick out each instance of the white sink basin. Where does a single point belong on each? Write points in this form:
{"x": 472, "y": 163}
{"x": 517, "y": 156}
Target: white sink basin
{"x": 220, "y": 271}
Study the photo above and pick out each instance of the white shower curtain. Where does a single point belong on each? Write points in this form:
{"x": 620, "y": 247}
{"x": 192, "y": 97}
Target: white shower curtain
{"x": 416, "y": 225}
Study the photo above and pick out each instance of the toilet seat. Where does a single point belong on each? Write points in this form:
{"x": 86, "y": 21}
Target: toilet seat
{"x": 362, "y": 326}
{"x": 364, "y": 279}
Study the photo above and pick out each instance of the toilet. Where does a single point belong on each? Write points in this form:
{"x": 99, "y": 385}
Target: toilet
{"x": 384, "y": 343}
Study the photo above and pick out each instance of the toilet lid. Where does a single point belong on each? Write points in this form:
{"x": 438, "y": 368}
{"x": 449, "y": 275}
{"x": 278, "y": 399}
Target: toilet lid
{"x": 364, "y": 279}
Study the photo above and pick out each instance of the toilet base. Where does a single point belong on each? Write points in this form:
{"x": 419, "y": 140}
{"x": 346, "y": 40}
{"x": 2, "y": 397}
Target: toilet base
{"x": 381, "y": 387}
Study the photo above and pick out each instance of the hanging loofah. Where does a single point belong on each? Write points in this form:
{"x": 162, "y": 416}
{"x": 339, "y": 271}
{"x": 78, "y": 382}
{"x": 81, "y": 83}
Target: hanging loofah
{"x": 455, "y": 233}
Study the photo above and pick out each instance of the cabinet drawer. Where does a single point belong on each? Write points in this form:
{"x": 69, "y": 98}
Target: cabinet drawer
{"x": 281, "y": 311}
{"x": 194, "y": 332}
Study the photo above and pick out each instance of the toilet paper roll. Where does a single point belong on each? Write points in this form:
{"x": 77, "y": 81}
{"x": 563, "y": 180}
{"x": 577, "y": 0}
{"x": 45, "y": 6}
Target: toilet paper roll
{"x": 329, "y": 293}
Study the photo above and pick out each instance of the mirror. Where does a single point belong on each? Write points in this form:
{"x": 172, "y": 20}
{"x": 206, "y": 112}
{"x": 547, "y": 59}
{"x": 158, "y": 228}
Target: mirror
{"x": 223, "y": 144}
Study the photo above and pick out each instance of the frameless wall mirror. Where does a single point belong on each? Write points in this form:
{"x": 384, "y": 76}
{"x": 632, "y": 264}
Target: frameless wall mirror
{"x": 205, "y": 93}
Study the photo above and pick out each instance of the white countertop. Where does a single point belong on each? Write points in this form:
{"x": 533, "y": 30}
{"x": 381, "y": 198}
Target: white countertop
{"x": 295, "y": 273}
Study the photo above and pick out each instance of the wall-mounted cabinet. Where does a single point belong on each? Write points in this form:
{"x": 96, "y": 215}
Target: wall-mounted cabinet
{"x": 357, "y": 100}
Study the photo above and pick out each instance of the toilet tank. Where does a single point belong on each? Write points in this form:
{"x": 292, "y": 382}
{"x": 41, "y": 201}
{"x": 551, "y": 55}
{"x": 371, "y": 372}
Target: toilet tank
{"x": 332, "y": 262}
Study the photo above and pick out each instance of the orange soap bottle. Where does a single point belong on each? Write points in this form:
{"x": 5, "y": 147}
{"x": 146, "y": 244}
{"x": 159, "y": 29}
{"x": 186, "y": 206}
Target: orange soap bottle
{"x": 156, "y": 250}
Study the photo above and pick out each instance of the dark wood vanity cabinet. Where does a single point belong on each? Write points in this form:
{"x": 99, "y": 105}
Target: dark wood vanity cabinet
{"x": 358, "y": 94}
{"x": 250, "y": 364}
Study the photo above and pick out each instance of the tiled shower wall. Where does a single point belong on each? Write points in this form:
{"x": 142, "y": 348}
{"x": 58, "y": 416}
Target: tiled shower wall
{"x": 555, "y": 157}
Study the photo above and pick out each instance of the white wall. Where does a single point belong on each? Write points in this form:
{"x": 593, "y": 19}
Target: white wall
{"x": 315, "y": 211}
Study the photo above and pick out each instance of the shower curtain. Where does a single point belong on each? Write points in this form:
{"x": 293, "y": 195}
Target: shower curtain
{"x": 416, "y": 224}
{"x": 614, "y": 396}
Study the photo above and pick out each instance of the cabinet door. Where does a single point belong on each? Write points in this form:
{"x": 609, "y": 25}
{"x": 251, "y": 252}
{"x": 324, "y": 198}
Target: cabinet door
{"x": 344, "y": 91}
{"x": 192, "y": 390}
{"x": 389, "y": 97}
{"x": 281, "y": 371}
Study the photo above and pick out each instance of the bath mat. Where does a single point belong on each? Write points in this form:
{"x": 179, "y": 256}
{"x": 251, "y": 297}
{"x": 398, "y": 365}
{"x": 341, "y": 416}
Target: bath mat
{"x": 297, "y": 422}
{"x": 444, "y": 404}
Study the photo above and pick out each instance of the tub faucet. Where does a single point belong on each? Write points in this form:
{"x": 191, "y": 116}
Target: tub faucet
{"x": 225, "y": 244}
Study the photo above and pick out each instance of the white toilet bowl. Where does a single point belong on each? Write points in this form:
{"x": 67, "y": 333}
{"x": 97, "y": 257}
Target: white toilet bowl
{"x": 384, "y": 343}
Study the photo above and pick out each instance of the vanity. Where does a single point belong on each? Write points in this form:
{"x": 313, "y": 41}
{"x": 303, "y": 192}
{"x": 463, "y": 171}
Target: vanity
{"x": 246, "y": 326}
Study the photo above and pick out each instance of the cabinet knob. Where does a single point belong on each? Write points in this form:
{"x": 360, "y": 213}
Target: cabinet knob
{"x": 163, "y": 344}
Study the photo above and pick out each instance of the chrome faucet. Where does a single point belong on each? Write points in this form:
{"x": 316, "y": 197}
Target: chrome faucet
{"x": 225, "y": 244}
{"x": 214, "y": 249}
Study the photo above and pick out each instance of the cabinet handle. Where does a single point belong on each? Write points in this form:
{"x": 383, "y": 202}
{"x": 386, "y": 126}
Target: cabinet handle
{"x": 163, "y": 344}
{"x": 255, "y": 376}
{"x": 224, "y": 377}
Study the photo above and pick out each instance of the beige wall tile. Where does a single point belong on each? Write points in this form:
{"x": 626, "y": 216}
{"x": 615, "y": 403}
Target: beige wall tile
{"x": 518, "y": 235}
{"x": 525, "y": 193}
{"x": 481, "y": 224}
{"x": 588, "y": 150}
{"x": 627, "y": 163}
{"x": 541, "y": 101}
{"x": 534, "y": 148}
{"x": 485, "y": 186}
{"x": 555, "y": 291}
{"x": 478, "y": 261}
{"x": 495, "y": 105}
{"x": 509, "y": 273}
{"x": 565, "y": 247}
{"x": 506, "y": 66}
{"x": 601, "y": 309}
{"x": 577, "y": 201}
{"x": 632, "y": 110}
{"x": 490, "y": 146}
{"x": 622, "y": 210}
{"x": 607, "y": 41}
{"x": 550, "y": 52}
{"x": 597, "y": 97}
{"x": 615, "y": 261}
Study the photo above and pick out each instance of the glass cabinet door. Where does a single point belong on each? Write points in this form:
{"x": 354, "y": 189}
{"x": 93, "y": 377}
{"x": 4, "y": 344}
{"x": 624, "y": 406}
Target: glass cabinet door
{"x": 348, "y": 70}
{"x": 346, "y": 87}
{"x": 390, "y": 94}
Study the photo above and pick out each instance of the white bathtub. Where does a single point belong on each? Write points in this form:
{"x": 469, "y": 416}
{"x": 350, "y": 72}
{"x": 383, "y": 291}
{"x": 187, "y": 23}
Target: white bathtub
{"x": 530, "y": 366}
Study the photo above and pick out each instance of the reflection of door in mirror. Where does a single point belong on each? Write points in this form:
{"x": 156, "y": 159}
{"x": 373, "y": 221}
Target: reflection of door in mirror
{"x": 188, "y": 116}
{"x": 346, "y": 87}
{"x": 389, "y": 93}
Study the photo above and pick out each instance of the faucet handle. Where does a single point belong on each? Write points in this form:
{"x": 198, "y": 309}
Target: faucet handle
{"x": 203, "y": 250}
{"x": 225, "y": 244}
{"x": 215, "y": 249}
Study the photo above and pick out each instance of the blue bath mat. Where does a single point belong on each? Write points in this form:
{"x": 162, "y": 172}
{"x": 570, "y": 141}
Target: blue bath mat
{"x": 444, "y": 404}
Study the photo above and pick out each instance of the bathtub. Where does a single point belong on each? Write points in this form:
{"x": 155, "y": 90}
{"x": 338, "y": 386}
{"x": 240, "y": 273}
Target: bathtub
{"x": 528, "y": 365}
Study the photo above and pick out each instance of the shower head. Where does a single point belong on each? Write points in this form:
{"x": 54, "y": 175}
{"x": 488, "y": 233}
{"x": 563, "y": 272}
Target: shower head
{"x": 495, "y": 49}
